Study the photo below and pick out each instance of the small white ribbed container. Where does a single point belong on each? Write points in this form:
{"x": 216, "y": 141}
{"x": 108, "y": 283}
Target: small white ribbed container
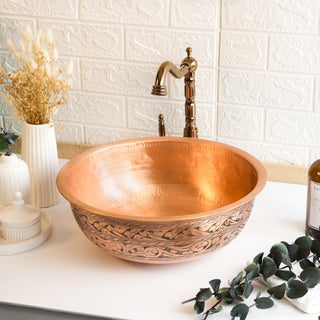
{"x": 19, "y": 222}
{"x": 14, "y": 176}
{"x": 39, "y": 151}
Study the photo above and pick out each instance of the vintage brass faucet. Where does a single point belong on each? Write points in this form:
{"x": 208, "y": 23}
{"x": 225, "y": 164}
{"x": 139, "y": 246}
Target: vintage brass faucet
{"x": 187, "y": 69}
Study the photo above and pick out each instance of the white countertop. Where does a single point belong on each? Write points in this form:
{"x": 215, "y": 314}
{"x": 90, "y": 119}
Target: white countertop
{"x": 71, "y": 274}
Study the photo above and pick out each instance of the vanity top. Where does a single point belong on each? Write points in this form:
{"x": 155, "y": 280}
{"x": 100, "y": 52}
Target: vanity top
{"x": 70, "y": 274}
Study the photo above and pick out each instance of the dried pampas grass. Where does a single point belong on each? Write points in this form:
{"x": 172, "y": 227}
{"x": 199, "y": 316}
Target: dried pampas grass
{"x": 36, "y": 90}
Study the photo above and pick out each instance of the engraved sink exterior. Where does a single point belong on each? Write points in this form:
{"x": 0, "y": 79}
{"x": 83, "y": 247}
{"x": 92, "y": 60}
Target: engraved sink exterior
{"x": 161, "y": 200}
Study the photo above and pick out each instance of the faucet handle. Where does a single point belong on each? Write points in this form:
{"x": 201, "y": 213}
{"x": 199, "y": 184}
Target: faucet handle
{"x": 161, "y": 126}
{"x": 189, "y": 51}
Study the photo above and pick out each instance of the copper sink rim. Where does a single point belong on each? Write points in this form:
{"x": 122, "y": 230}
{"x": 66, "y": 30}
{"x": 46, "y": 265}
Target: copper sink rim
{"x": 63, "y": 173}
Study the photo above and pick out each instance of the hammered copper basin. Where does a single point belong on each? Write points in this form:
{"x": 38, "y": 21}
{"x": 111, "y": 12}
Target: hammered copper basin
{"x": 161, "y": 200}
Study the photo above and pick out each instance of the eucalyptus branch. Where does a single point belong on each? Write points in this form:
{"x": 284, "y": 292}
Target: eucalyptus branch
{"x": 281, "y": 256}
{"x": 253, "y": 279}
{"x": 7, "y": 139}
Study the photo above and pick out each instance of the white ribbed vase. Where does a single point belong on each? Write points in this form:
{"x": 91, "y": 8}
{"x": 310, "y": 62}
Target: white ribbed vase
{"x": 39, "y": 151}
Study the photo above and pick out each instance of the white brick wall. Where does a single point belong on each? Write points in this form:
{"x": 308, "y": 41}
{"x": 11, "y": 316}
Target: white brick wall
{"x": 257, "y": 85}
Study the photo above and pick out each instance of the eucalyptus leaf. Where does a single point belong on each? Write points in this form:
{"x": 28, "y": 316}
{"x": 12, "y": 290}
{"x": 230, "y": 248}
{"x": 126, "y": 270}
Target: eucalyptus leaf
{"x": 198, "y": 307}
{"x": 240, "y": 311}
{"x": 278, "y": 291}
{"x": 292, "y": 249}
{"x": 250, "y": 267}
{"x": 264, "y": 303}
{"x": 6, "y": 140}
{"x": 279, "y": 247}
{"x": 252, "y": 271}
{"x": 225, "y": 296}
{"x": 315, "y": 248}
{"x": 240, "y": 289}
{"x": 215, "y": 284}
{"x": 258, "y": 258}
{"x": 204, "y": 294}
{"x": 286, "y": 259}
{"x": 234, "y": 294}
{"x": 303, "y": 252}
{"x": 3, "y": 145}
{"x": 277, "y": 257}
{"x": 214, "y": 310}
{"x": 286, "y": 244}
{"x": 285, "y": 274}
{"x": 297, "y": 289}
{"x": 248, "y": 288}
{"x": 305, "y": 263}
{"x": 310, "y": 276}
{"x": 304, "y": 241}
{"x": 268, "y": 267}
{"x": 237, "y": 279}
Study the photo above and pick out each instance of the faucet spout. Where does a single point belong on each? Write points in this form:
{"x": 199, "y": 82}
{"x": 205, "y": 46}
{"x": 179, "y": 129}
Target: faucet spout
{"x": 186, "y": 70}
{"x": 160, "y": 88}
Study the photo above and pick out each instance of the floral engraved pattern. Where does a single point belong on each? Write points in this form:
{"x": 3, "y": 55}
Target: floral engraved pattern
{"x": 162, "y": 241}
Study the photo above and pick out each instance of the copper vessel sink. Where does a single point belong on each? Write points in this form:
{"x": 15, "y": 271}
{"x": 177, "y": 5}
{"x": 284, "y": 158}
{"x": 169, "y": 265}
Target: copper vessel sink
{"x": 162, "y": 199}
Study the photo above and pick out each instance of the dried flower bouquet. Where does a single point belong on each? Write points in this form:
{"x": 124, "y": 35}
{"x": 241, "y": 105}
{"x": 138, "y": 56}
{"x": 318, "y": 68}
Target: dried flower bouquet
{"x": 36, "y": 90}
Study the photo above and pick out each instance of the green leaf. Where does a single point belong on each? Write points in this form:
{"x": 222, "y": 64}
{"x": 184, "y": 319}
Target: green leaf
{"x": 250, "y": 267}
{"x": 3, "y": 142}
{"x": 237, "y": 279}
{"x": 264, "y": 303}
{"x": 268, "y": 267}
{"x": 258, "y": 258}
{"x": 279, "y": 252}
{"x": 240, "y": 289}
{"x": 286, "y": 244}
{"x": 215, "y": 284}
{"x": 278, "y": 291}
{"x": 292, "y": 249}
{"x": 225, "y": 296}
{"x": 297, "y": 289}
{"x": 304, "y": 241}
{"x": 306, "y": 263}
{"x": 3, "y": 145}
{"x": 315, "y": 248}
{"x": 248, "y": 288}
{"x": 234, "y": 294}
{"x": 279, "y": 247}
{"x": 240, "y": 311}
{"x": 198, "y": 307}
{"x": 286, "y": 260}
{"x": 214, "y": 310}
{"x": 310, "y": 276}
{"x": 252, "y": 271}
{"x": 204, "y": 294}
{"x": 303, "y": 252}
{"x": 277, "y": 257}
{"x": 285, "y": 274}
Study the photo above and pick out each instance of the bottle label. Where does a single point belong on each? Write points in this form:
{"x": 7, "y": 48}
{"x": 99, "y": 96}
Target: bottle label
{"x": 314, "y": 219}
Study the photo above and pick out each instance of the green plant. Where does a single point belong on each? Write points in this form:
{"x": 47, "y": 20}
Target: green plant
{"x": 7, "y": 139}
{"x": 305, "y": 251}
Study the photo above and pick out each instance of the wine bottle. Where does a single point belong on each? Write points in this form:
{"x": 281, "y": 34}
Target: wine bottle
{"x": 313, "y": 201}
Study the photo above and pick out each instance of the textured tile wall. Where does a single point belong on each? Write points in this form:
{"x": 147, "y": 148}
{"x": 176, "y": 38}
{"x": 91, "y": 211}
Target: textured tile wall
{"x": 269, "y": 69}
{"x": 257, "y": 85}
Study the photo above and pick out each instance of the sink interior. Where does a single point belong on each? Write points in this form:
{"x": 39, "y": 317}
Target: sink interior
{"x": 162, "y": 178}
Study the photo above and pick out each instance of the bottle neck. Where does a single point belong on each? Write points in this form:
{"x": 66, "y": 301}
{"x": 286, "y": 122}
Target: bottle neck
{"x": 8, "y": 159}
